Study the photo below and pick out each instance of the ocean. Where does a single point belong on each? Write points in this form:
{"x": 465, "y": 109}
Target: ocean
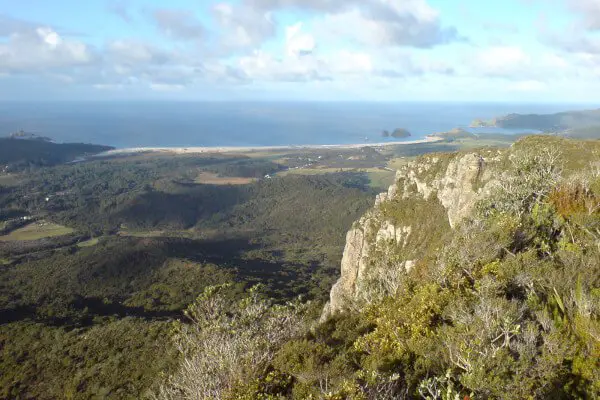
{"x": 187, "y": 124}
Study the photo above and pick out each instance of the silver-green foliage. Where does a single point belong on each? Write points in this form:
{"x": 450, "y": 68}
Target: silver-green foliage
{"x": 532, "y": 174}
{"x": 228, "y": 342}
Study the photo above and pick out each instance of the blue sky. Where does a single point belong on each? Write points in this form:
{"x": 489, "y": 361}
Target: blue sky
{"x": 381, "y": 50}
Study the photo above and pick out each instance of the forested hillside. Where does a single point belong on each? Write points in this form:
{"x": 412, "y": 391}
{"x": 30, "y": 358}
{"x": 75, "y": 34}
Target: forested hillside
{"x": 18, "y": 154}
{"x": 578, "y": 124}
{"x": 476, "y": 276}
{"x": 89, "y": 312}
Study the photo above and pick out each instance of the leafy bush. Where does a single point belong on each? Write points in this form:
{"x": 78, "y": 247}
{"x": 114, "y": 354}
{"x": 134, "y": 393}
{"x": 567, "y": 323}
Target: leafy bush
{"x": 228, "y": 343}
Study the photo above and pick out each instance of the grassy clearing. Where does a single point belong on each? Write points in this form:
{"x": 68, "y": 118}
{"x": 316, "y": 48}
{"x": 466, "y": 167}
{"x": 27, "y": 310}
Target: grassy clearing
{"x": 207, "y": 178}
{"x": 88, "y": 243}
{"x": 37, "y": 230}
{"x": 144, "y": 234}
{"x": 158, "y": 234}
{"x": 9, "y": 180}
{"x": 397, "y": 163}
{"x": 269, "y": 155}
{"x": 192, "y": 233}
{"x": 318, "y": 171}
{"x": 381, "y": 179}
{"x": 4, "y": 261}
{"x": 484, "y": 141}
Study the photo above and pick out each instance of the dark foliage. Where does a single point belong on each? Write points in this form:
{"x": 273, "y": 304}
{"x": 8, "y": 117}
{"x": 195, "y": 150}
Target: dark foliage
{"x": 20, "y": 154}
{"x": 102, "y": 311}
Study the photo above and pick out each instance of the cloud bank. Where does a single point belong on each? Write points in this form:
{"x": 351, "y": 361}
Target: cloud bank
{"x": 341, "y": 45}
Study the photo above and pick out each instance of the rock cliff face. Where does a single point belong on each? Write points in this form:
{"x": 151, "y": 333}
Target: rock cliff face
{"x": 430, "y": 197}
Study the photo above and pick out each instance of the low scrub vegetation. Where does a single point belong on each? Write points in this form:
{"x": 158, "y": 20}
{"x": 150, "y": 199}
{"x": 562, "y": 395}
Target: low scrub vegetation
{"x": 507, "y": 306}
{"x": 37, "y": 230}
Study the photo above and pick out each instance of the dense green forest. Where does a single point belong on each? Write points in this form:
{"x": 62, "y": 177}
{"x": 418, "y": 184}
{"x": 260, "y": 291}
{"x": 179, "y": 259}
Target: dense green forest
{"x": 89, "y": 313}
{"x": 18, "y": 154}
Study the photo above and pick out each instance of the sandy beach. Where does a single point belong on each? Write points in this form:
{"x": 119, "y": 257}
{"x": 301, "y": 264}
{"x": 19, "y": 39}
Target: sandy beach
{"x": 246, "y": 149}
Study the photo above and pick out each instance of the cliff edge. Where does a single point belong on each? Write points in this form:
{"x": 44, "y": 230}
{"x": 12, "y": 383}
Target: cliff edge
{"x": 430, "y": 197}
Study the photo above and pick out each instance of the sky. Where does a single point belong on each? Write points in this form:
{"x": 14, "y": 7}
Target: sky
{"x": 309, "y": 50}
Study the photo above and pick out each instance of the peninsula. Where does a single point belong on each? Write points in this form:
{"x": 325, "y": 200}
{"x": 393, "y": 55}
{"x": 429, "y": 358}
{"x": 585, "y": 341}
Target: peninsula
{"x": 557, "y": 122}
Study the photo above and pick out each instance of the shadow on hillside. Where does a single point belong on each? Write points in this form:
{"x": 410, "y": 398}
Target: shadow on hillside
{"x": 229, "y": 253}
{"x": 125, "y": 259}
{"x": 83, "y": 311}
{"x": 182, "y": 209}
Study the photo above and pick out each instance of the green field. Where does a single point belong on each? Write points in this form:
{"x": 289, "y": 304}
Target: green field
{"x": 397, "y": 163}
{"x": 9, "y": 180}
{"x": 144, "y": 234}
{"x": 208, "y": 178}
{"x": 157, "y": 233}
{"x": 316, "y": 171}
{"x": 89, "y": 243}
{"x": 37, "y": 230}
{"x": 381, "y": 179}
{"x": 475, "y": 143}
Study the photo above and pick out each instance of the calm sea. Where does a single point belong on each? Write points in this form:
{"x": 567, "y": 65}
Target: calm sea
{"x": 182, "y": 124}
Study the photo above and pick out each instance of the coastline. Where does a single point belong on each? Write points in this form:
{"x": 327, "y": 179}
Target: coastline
{"x": 246, "y": 149}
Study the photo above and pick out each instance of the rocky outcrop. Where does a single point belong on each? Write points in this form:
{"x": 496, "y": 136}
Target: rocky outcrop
{"x": 456, "y": 190}
{"x": 456, "y": 181}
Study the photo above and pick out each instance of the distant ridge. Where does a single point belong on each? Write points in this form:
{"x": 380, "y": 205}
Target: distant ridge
{"x": 22, "y": 150}
{"x": 22, "y": 135}
{"x": 558, "y": 122}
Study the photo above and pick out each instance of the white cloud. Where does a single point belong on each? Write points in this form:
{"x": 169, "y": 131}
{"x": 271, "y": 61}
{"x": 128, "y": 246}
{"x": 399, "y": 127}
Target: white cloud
{"x": 108, "y": 86}
{"x": 528, "y": 86}
{"x": 164, "y": 87}
{"x": 41, "y": 49}
{"x": 298, "y": 43}
{"x": 49, "y": 37}
{"x": 132, "y": 52}
{"x": 515, "y": 63}
{"x": 587, "y": 65}
{"x": 363, "y": 44}
{"x": 346, "y": 62}
{"x": 410, "y": 23}
{"x": 395, "y": 29}
{"x": 243, "y": 27}
{"x": 239, "y": 54}
{"x": 589, "y": 10}
{"x": 575, "y": 42}
{"x": 345, "y": 65}
{"x": 406, "y": 23}
{"x": 502, "y": 60}
{"x": 178, "y": 24}
{"x": 265, "y": 67}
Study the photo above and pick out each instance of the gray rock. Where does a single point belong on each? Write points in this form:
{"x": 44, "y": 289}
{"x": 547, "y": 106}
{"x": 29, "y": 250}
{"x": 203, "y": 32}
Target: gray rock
{"x": 460, "y": 184}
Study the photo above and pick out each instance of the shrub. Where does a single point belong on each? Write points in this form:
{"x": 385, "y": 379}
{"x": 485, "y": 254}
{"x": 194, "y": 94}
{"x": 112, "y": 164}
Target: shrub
{"x": 531, "y": 176}
{"x": 228, "y": 343}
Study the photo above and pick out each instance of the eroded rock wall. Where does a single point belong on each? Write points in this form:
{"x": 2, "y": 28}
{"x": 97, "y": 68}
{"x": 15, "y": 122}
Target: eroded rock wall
{"x": 457, "y": 181}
